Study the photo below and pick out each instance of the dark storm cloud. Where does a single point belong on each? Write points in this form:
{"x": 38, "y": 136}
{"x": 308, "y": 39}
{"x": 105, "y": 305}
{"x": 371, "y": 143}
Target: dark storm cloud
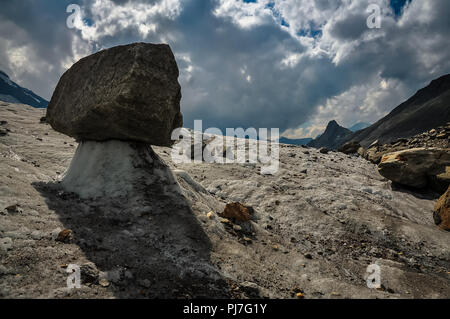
{"x": 232, "y": 64}
{"x": 40, "y": 28}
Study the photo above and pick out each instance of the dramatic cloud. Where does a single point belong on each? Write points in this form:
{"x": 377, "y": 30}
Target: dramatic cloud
{"x": 291, "y": 64}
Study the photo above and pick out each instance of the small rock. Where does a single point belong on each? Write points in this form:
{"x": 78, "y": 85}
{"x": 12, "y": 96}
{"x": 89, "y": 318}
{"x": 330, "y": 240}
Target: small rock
{"x": 308, "y": 256}
{"x": 65, "y": 236}
{"x": 300, "y": 295}
{"x": 89, "y": 273}
{"x": 237, "y": 228}
{"x": 225, "y": 221}
{"x": 334, "y": 293}
{"x": 104, "y": 283}
{"x": 238, "y": 212}
{"x": 324, "y": 150}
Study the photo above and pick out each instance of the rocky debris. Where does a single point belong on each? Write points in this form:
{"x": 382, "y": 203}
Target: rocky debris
{"x": 323, "y": 150}
{"x": 128, "y": 92}
{"x": 414, "y": 167}
{"x": 350, "y": 147}
{"x": 375, "y": 151}
{"x": 65, "y": 236}
{"x": 441, "y": 213}
{"x": 238, "y": 212}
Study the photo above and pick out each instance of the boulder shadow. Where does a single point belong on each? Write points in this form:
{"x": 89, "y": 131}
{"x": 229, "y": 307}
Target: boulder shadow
{"x": 154, "y": 247}
{"x": 424, "y": 193}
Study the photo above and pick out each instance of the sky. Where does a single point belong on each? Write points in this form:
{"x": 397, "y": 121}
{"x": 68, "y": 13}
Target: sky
{"x": 288, "y": 64}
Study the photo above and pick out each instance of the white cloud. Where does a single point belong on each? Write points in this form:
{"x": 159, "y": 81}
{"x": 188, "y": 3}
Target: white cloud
{"x": 292, "y": 64}
{"x": 110, "y": 18}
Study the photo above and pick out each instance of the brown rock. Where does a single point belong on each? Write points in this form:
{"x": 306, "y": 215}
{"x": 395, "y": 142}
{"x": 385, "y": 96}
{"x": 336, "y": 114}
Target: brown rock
{"x": 414, "y": 167}
{"x": 238, "y": 212}
{"x": 128, "y": 92}
{"x": 65, "y": 236}
{"x": 442, "y": 211}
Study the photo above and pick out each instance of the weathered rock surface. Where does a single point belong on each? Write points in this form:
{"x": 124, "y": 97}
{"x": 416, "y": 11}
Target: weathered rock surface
{"x": 375, "y": 151}
{"x": 414, "y": 167}
{"x": 442, "y": 211}
{"x": 128, "y": 92}
{"x": 350, "y": 147}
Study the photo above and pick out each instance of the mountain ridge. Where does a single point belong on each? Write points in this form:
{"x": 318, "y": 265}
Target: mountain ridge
{"x": 333, "y": 136}
{"x": 428, "y": 108}
{"x": 14, "y": 93}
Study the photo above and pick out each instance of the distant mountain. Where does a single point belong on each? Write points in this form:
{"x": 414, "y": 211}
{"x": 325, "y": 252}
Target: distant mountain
{"x": 301, "y": 141}
{"x": 358, "y": 126}
{"x": 13, "y": 93}
{"x": 333, "y": 136}
{"x": 429, "y": 108}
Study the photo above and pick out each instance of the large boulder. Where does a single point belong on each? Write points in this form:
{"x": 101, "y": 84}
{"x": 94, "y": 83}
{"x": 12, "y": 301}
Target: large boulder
{"x": 442, "y": 211}
{"x": 128, "y": 93}
{"x": 415, "y": 167}
{"x": 350, "y": 147}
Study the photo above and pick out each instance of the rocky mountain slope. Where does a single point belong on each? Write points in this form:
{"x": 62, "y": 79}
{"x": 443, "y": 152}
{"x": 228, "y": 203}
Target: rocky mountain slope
{"x": 317, "y": 224}
{"x": 12, "y": 92}
{"x": 426, "y": 110}
{"x": 358, "y": 126}
{"x": 438, "y": 137}
{"x": 333, "y": 137}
